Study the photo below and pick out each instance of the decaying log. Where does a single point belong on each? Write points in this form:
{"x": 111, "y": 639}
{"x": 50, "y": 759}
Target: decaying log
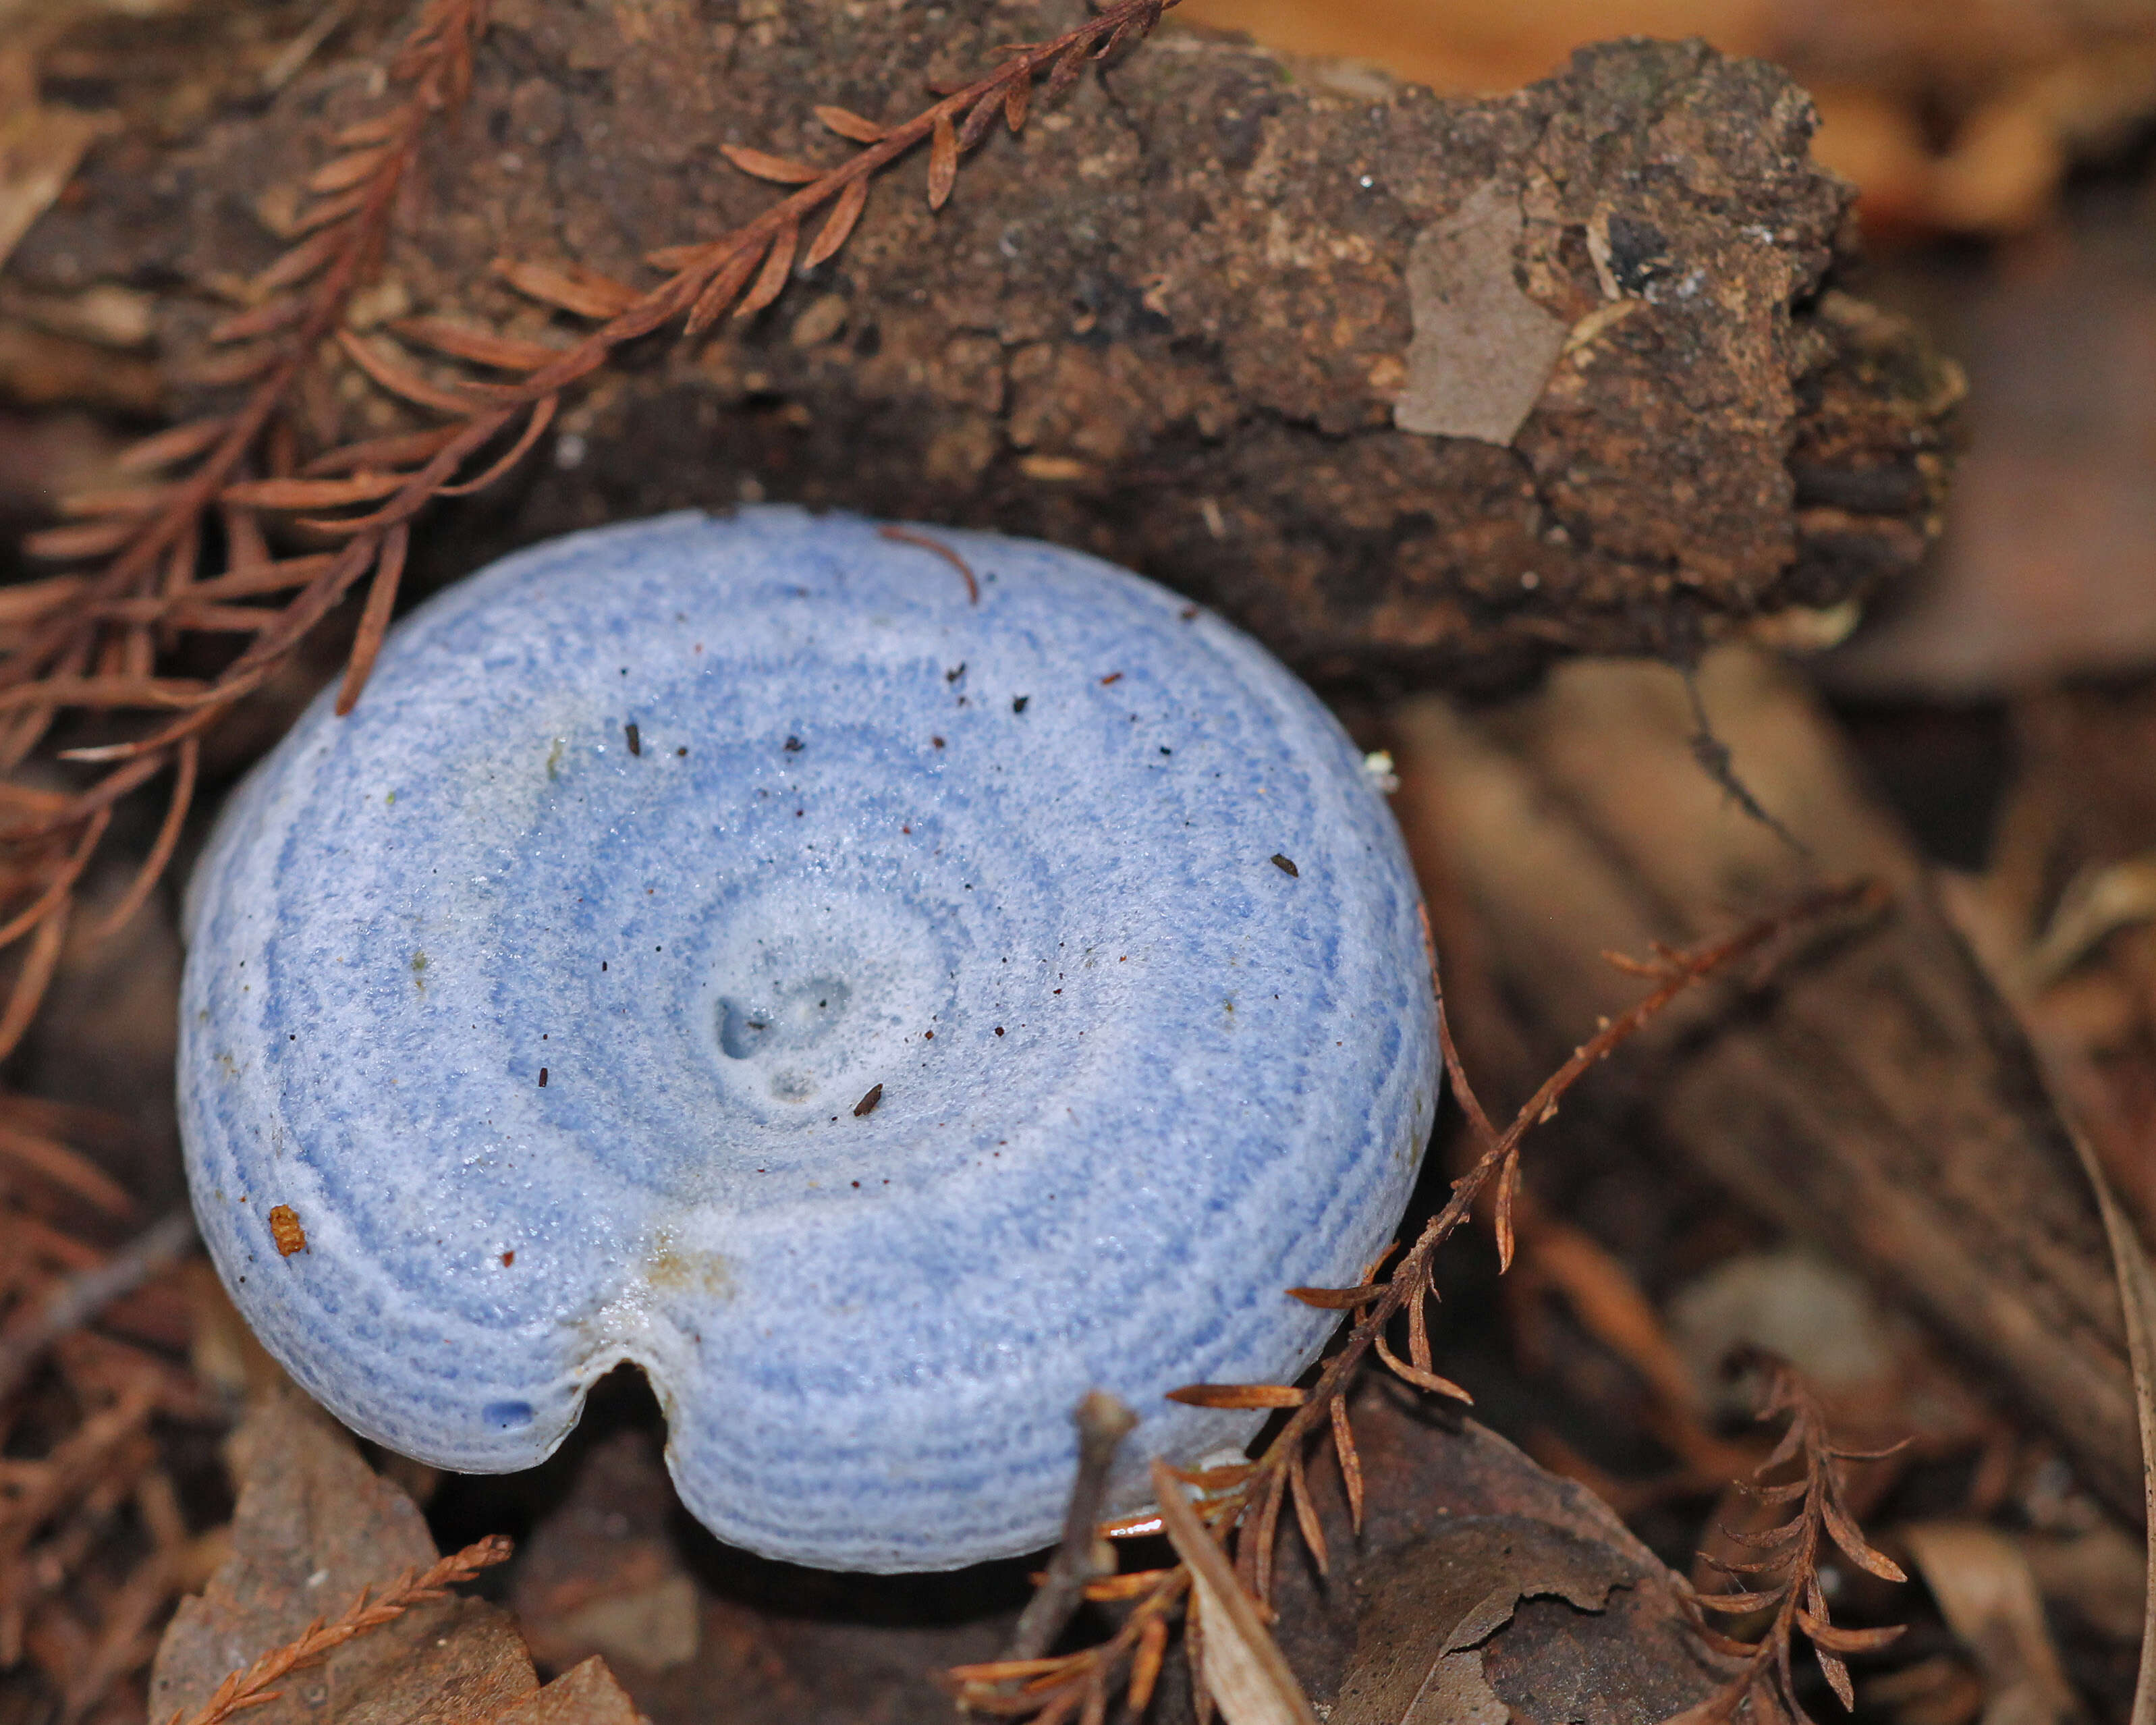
{"x": 1875, "y": 1098}
{"x": 1411, "y": 386}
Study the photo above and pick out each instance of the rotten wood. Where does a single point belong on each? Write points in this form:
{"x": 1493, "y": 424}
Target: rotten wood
{"x": 1183, "y": 319}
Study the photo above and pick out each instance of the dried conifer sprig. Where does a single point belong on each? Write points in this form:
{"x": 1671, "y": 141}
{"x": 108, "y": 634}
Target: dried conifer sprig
{"x": 1243, "y": 1504}
{"x": 92, "y": 643}
{"x": 252, "y": 1686}
{"x": 94, "y": 1546}
{"x": 1782, "y": 1573}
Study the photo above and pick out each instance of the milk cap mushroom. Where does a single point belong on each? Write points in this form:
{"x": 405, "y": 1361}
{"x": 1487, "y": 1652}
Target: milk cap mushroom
{"x": 881, "y": 1014}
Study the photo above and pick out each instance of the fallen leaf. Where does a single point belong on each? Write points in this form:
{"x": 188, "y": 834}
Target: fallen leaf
{"x": 1797, "y": 1305}
{"x": 1428, "y": 1611}
{"x": 655, "y": 1626}
{"x": 455, "y": 1660}
{"x": 2137, "y": 1293}
{"x": 603, "y": 1575}
{"x": 2098, "y": 1575}
{"x": 40, "y": 146}
{"x": 2047, "y": 569}
{"x": 1429, "y": 1471}
{"x": 587, "y": 1695}
{"x": 315, "y": 1525}
{"x": 1988, "y": 1598}
{"x": 1243, "y": 1666}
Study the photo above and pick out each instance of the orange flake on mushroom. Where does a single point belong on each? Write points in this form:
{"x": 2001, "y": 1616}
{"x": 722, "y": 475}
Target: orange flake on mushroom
{"x": 285, "y": 1230}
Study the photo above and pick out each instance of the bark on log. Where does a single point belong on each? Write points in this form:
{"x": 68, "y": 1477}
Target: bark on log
{"x": 1186, "y": 320}
{"x": 1877, "y": 1098}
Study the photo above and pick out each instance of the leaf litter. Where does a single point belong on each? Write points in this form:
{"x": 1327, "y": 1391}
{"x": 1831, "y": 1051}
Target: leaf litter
{"x": 1427, "y": 1612}
{"x": 333, "y": 1604}
{"x": 1565, "y": 1565}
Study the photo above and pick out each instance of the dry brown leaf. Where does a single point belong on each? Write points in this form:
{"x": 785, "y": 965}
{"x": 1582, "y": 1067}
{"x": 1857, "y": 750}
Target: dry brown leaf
{"x": 132, "y": 500}
{"x": 1420, "y": 1379}
{"x": 603, "y": 1575}
{"x": 93, "y": 539}
{"x": 2137, "y": 1287}
{"x": 587, "y": 1694}
{"x": 315, "y": 1526}
{"x": 723, "y": 288}
{"x": 1431, "y": 1608}
{"x": 405, "y": 449}
{"x": 303, "y": 260}
{"x": 1145, "y": 1667}
{"x": 1337, "y": 1299}
{"x": 1989, "y": 1597}
{"x": 314, "y": 493}
{"x": 348, "y": 171}
{"x": 1242, "y": 1665}
{"x": 216, "y": 371}
{"x": 270, "y": 315}
{"x": 399, "y": 379}
{"x": 40, "y": 147}
{"x": 1067, "y": 70}
{"x": 1349, "y": 1461}
{"x": 980, "y": 118}
{"x": 1306, "y": 1517}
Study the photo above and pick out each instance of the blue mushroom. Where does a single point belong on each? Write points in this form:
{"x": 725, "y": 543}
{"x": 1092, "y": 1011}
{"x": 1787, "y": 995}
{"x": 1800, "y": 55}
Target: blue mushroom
{"x": 879, "y": 1013}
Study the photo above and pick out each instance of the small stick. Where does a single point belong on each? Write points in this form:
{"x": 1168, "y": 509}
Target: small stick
{"x": 1103, "y": 1422}
{"x": 87, "y": 1292}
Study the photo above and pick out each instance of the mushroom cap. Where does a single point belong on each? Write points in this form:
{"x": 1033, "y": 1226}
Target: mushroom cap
{"x": 544, "y": 998}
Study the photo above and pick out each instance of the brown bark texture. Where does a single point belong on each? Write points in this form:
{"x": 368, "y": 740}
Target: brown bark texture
{"x": 1875, "y": 1097}
{"x": 1184, "y": 320}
